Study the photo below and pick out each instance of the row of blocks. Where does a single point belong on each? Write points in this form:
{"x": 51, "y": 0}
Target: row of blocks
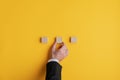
{"x": 58, "y": 39}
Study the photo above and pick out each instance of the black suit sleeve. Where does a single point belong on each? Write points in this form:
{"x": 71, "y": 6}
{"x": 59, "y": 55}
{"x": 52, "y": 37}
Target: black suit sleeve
{"x": 53, "y": 71}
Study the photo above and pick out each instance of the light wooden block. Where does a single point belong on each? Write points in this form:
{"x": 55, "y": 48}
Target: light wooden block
{"x": 73, "y": 39}
{"x": 44, "y": 40}
{"x": 59, "y": 39}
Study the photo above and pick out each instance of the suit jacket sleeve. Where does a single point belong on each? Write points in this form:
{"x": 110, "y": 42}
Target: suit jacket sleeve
{"x": 53, "y": 71}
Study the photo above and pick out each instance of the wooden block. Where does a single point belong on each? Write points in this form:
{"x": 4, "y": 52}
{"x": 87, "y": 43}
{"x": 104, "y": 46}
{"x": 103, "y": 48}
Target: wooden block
{"x": 73, "y": 39}
{"x": 44, "y": 40}
{"x": 59, "y": 39}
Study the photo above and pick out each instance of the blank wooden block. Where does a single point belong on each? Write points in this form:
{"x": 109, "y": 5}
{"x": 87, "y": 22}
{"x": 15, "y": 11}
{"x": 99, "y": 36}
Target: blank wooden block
{"x": 44, "y": 39}
{"x": 73, "y": 39}
{"x": 59, "y": 39}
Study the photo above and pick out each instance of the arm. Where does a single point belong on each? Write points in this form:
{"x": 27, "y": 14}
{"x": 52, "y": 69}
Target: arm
{"x": 53, "y": 71}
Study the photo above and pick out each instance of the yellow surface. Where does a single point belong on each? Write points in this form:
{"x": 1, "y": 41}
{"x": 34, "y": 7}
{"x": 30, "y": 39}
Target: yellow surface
{"x": 96, "y": 24}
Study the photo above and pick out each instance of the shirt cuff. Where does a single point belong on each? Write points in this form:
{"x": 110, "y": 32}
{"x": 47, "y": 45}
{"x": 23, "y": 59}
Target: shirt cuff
{"x": 55, "y": 60}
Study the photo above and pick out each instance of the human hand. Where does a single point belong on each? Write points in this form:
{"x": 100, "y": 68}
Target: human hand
{"x": 59, "y": 53}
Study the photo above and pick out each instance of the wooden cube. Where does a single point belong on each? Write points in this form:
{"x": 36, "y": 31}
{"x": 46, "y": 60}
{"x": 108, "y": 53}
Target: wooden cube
{"x": 44, "y": 40}
{"x": 59, "y": 39}
{"x": 73, "y": 39}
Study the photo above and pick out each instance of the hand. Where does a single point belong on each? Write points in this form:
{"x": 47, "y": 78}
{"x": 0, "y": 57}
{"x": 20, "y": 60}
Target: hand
{"x": 59, "y": 53}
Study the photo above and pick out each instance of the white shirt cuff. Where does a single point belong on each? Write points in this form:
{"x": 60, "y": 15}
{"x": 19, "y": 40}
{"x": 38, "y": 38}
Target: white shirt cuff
{"x": 55, "y": 60}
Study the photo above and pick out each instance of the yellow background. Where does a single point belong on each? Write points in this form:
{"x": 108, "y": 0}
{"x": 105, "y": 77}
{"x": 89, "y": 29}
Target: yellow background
{"x": 96, "y": 24}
